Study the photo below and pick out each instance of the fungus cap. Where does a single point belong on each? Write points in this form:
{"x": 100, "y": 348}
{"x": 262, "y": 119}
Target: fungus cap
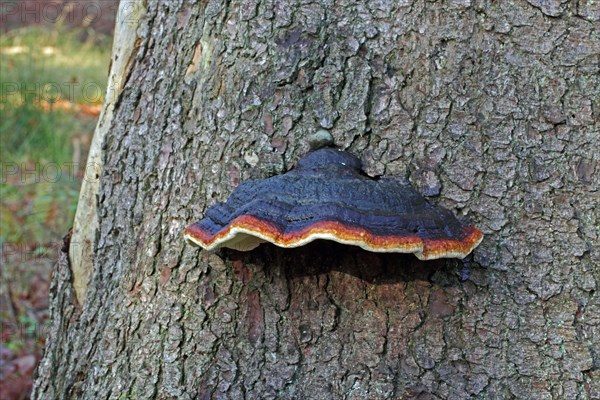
{"x": 327, "y": 197}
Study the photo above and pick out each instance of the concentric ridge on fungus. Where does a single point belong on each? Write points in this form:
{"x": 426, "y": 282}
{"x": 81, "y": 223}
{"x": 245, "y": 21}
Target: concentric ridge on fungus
{"x": 327, "y": 197}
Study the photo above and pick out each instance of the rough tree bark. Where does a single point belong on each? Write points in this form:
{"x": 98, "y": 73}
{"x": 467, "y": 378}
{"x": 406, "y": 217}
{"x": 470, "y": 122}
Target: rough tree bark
{"x": 491, "y": 108}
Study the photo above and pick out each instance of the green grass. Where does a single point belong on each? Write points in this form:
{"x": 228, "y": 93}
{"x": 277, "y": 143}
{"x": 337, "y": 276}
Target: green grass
{"x": 55, "y": 61}
{"x": 44, "y": 71}
{"x": 29, "y": 134}
{"x": 43, "y": 130}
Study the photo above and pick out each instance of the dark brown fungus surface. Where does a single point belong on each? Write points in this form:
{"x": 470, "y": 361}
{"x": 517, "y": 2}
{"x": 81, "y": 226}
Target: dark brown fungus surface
{"x": 327, "y": 197}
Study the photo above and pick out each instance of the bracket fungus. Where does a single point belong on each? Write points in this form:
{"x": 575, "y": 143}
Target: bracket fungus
{"x": 327, "y": 197}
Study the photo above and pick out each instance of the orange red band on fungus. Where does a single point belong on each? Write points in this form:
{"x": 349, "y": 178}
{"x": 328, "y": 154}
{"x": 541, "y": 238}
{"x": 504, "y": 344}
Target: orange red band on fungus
{"x": 433, "y": 248}
{"x": 429, "y": 247}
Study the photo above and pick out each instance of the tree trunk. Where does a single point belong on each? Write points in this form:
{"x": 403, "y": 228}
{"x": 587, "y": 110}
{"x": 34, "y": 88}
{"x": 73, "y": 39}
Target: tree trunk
{"x": 491, "y": 108}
